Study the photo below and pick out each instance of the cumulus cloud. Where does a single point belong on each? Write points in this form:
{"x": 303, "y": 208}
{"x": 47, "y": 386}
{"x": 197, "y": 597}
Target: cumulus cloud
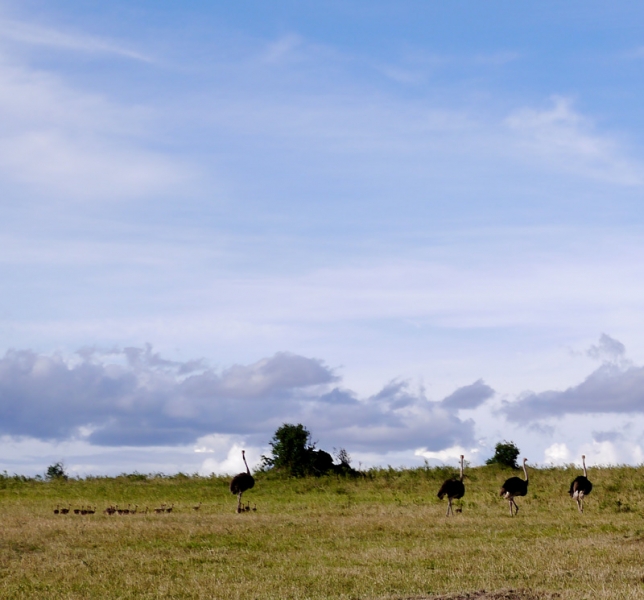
{"x": 609, "y": 389}
{"x": 608, "y": 348}
{"x": 557, "y": 454}
{"x": 615, "y": 387}
{"x": 136, "y": 397}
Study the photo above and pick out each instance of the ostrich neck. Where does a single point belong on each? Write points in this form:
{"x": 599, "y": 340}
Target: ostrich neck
{"x": 247, "y": 469}
{"x": 525, "y": 472}
{"x": 461, "y": 469}
{"x": 583, "y": 460}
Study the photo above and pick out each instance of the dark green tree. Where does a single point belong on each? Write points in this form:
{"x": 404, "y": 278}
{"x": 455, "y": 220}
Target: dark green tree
{"x": 56, "y": 471}
{"x": 294, "y": 454}
{"x": 506, "y": 454}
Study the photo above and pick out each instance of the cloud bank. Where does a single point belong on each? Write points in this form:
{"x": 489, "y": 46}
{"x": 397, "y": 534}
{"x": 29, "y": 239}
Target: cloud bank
{"x": 135, "y": 397}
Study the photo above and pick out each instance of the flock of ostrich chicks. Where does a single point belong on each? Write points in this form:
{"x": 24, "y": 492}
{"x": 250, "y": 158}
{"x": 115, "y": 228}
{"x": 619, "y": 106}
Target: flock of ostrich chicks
{"x": 453, "y": 489}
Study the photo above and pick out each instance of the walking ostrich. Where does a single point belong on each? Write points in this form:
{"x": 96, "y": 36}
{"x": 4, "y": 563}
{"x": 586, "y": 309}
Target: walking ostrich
{"x": 515, "y": 487}
{"x": 453, "y": 489}
{"x": 241, "y": 482}
{"x": 581, "y": 487}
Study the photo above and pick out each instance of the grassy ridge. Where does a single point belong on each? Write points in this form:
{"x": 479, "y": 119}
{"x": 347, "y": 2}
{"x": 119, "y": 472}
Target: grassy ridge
{"x": 381, "y": 536}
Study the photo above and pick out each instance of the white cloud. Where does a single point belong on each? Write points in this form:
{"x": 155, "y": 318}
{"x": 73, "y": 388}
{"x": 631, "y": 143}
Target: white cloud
{"x": 557, "y": 454}
{"x": 448, "y": 455}
{"x": 564, "y": 139}
{"x": 602, "y": 453}
{"x": 231, "y": 461}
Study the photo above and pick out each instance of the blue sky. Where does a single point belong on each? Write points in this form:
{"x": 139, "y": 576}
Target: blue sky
{"x": 415, "y": 227}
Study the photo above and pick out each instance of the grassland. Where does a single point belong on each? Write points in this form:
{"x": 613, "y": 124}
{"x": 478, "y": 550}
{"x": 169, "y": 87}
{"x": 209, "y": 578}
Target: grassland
{"x": 380, "y": 536}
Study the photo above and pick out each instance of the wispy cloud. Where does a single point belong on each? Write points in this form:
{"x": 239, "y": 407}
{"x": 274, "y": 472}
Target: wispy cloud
{"x": 284, "y": 49}
{"x": 37, "y": 35}
{"x": 564, "y": 139}
{"x": 60, "y": 140}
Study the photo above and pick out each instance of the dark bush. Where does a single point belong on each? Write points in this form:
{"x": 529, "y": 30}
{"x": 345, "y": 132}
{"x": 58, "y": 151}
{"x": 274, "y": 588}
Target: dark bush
{"x": 294, "y": 454}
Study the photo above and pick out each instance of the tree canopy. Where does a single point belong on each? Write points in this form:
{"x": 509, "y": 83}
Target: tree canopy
{"x": 294, "y": 454}
{"x": 506, "y": 454}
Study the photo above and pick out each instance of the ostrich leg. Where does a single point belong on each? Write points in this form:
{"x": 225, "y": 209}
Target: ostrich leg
{"x": 239, "y": 502}
{"x": 449, "y": 506}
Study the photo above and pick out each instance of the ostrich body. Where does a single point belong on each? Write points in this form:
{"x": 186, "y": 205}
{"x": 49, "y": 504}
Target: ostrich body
{"x": 581, "y": 487}
{"x": 453, "y": 489}
{"x": 241, "y": 482}
{"x": 513, "y": 487}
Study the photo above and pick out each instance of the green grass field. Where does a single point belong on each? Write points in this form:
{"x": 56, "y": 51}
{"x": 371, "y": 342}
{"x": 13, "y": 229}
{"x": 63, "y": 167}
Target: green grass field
{"x": 381, "y": 536}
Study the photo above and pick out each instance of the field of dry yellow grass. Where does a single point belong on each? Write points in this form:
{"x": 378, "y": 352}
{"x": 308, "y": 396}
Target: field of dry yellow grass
{"x": 384, "y": 535}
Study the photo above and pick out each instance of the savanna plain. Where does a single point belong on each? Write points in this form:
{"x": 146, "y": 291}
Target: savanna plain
{"x": 380, "y": 535}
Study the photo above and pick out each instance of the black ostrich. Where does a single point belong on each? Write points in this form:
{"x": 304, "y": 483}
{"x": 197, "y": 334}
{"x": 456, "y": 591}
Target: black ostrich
{"x": 515, "y": 487}
{"x": 453, "y": 489}
{"x": 241, "y": 482}
{"x": 581, "y": 487}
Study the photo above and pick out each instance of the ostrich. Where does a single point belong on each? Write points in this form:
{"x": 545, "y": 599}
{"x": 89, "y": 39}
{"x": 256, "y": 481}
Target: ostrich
{"x": 241, "y": 482}
{"x": 453, "y": 489}
{"x": 581, "y": 487}
{"x": 515, "y": 487}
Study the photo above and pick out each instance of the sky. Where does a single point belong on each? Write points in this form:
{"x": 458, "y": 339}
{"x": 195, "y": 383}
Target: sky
{"x": 413, "y": 227}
